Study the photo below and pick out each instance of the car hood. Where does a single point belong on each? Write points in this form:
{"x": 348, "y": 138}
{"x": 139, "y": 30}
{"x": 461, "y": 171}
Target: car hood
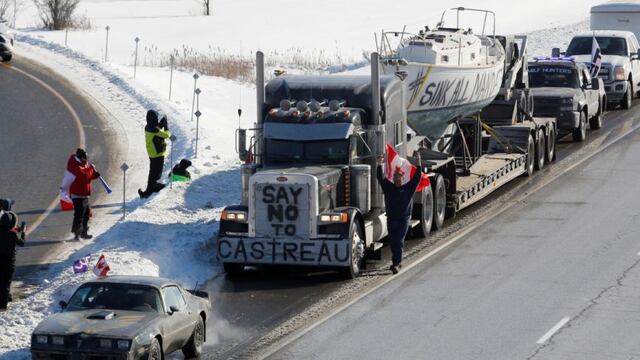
{"x": 124, "y": 324}
{"x": 553, "y": 92}
{"x": 606, "y": 59}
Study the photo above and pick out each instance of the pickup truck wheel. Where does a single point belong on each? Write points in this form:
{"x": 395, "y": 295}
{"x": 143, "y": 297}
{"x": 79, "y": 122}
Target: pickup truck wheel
{"x": 625, "y": 104}
{"x": 193, "y": 349}
{"x": 440, "y": 201}
{"x": 551, "y": 145}
{"x": 595, "y": 122}
{"x": 155, "y": 351}
{"x": 531, "y": 156}
{"x": 541, "y": 150}
{"x": 233, "y": 269}
{"x": 425, "y": 212}
{"x": 7, "y": 58}
{"x": 357, "y": 252}
{"x": 580, "y": 134}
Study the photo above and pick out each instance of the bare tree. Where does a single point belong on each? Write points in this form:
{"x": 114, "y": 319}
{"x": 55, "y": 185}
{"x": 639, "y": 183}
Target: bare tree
{"x": 206, "y": 4}
{"x": 4, "y": 9}
{"x": 56, "y": 14}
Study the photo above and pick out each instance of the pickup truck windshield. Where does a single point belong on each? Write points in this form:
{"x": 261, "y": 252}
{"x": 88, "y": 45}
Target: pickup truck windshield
{"x": 553, "y": 76}
{"x": 608, "y": 46}
{"x": 331, "y": 152}
{"x": 115, "y": 297}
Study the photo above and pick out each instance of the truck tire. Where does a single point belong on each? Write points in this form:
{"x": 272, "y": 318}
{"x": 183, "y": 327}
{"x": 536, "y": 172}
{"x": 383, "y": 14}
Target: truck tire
{"x": 541, "y": 150}
{"x": 425, "y": 214}
{"x": 7, "y": 58}
{"x": 193, "y": 349}
{"x": 595, "y": 122}
{"x": 155, "y": 350}
{"x": 580, "y": 134}
{"x": 551, "y": 145}
{"x": 233, "y": 269}
{"x": 440, "y": 201}
{"x": 531, "y": 156}
{"x": 357, "y": 251}
{"x": 625, "y": 104}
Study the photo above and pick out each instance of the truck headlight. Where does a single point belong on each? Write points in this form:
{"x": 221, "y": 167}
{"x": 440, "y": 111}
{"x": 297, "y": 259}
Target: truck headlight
{"x": 42, "y": 339}
{"x": 57, "y": 340}
{"x": 330, "y": 218}
{"x": 123, "y": 344}
{"x": 106, "y": 343}
{"x": 239, "y": 216}
{"x": 620, "y": 74}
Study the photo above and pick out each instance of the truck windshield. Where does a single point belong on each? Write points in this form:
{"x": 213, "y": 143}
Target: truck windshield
{"x": 115, "y": 297}
{"x": 328, "y": 152}
{"x": 608, "y": 46}
{"x": 553, "y": 76}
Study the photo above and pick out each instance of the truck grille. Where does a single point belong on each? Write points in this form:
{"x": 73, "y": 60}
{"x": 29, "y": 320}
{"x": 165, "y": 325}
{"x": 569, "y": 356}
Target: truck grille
{"x": 282, "y": 210}
{"x": 545, "y": 107}
{"x": 605, "y": 73}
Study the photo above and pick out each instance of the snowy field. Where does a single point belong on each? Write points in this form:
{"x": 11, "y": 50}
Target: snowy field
{"x": 170, "y": 234}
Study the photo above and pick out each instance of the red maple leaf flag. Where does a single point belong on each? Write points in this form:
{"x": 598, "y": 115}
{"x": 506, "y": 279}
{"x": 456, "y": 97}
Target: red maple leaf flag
{"x": 102, "y": 268}
{"x": 397, "y": 163}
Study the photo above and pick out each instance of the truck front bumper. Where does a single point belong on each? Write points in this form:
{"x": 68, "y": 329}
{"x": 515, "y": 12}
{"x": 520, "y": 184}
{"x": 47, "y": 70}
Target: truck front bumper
{"x": 308, "y": 252}
{"x": 616, "y": 90}
{"x": 568, "y": 120}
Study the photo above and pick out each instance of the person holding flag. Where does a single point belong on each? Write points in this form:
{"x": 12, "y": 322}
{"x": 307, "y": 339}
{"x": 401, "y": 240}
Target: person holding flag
{"x": 400, "y": 183}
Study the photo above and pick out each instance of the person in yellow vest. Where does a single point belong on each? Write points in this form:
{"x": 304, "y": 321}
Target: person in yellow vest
{"x": 156, "y": 134}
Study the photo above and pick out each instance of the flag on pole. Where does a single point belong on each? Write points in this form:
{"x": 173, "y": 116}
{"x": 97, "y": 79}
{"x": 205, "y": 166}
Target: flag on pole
{"x": 102, "y": 268}
{"x": 82, "y": 265}
{"x": 396, "y": 163}
{"x": 596, "y": 58}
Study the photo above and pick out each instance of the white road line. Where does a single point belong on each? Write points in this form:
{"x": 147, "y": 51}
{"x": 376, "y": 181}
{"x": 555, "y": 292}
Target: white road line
{"x": 553, "y": 330}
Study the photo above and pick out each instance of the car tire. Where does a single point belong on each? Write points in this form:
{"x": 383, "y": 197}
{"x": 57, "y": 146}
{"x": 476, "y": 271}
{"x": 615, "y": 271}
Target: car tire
{"x": 541, "y": 150}
{"x": 7, "y": 58}
{"x": 440, "y": 201}
{"x": 155, "y": 350}
{"x": 531, "y": 156}
{"x": 595, "y": 123}
{"x": 625, "y": 104}
{"x": 425, "y": 214}
{"x": 193, "y": 349}
{"x": 551, "y": 145}
{"x": 233, "y": 269}
{"x": 580, "y": 134}
{"x": 357, "y": 251}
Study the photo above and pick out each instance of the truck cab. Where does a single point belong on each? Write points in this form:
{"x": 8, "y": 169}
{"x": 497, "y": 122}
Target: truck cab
{"x": 620, "y": 62}
{"x": 564, "y": 89}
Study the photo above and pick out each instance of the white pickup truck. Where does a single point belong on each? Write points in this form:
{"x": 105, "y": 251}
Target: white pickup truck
{"x": 620, "y": 62}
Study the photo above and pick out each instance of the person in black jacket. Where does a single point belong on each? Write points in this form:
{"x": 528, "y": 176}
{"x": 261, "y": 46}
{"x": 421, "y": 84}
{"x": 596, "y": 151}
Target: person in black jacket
{"x": 398, "y": 206}
{"x": 10, "y": 237}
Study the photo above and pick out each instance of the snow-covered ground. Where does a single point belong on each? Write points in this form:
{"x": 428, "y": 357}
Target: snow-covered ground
{"x": 170, "y": 234}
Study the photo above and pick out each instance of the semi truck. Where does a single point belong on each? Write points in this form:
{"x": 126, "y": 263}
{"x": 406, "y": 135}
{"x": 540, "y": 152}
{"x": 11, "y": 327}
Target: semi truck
{"x": 310, "y": 196}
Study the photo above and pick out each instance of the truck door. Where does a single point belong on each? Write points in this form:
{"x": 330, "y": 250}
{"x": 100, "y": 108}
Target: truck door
{"x": 591, "y": 96}
{"x": 635, "y": 62}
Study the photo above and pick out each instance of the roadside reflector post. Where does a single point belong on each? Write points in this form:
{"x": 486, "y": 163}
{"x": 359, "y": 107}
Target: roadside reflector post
{"x": 198, "y": 114}
{"x": 106, "y": 47}
{"x": 124, "y": 169}
{"x": 195, "y": 87}
{"x": 66, "y": 36}
{"x": 135, "y": 59}
{"x": 172, "y": 60}
{"x": 172, "y": 138}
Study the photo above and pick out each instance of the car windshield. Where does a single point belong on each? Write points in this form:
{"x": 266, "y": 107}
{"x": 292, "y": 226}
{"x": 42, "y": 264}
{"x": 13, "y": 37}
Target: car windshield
{"x": 115, "y": 297}
{"x": 608, "y": 46}
{"x": 307, "y": 152}
{"x": 553, "y": 76}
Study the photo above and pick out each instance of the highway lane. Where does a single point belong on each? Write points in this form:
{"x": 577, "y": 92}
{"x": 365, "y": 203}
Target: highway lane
{"x": 554, "y": 278}
{"x": 39, "y": 112}
{"x": 255, "y": 310}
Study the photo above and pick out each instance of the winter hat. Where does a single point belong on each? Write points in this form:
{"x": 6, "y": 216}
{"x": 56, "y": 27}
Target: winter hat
{"x": 152, "y": 118}
{"x": 81, "y": 154}
{"x": 184, "y": 163}
{"x": 8, "y": 220}
{"x": 6, "y": 204}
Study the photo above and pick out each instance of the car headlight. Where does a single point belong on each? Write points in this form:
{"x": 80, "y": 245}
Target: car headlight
{"x": 106, "y": 343}
{"x": 239, "y": 216}
{"x": 42, "y": 339}
{"x": 620, "y": 73}
{"x": 123, "y": 344}
{"x": 57, "y": 340}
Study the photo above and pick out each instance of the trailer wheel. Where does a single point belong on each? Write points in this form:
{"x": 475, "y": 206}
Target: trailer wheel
{"x": 531, "y": 156}
{"x": 357, "y": 252}
{"x": 440, "y": 201}
{"x": 233, "y": 269}
{"x": 595, "y": 122}
{"x": 551, "y": 145}
{"x": 541, "y": 150}
{"x": 580, "y": 134}
{"x": 425, "y": 213}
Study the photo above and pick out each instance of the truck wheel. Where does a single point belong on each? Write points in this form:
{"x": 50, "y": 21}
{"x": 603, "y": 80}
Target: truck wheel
{"x": 7, "y": 58}
{"x": 425, "y": 212}
{"x": 541, "y": 150}
{"x": 625, "y": 104}
{"x": 531, "y": 156}
{"x": 155, "y": 351}
{"x": 595, "y": 122}
{"x": 580, "y": 134}
{"x": 440, "y": 201}
{"x": 357, "y": 252}
{"x": 233, "y": 269}
{"x": 193, "y": 349}
{"x": 551, "y": 145}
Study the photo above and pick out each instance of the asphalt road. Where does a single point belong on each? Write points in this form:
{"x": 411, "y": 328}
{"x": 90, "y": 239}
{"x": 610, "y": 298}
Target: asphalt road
{"x": 553, "y": 278}
{"x": 38, "y": 120}
{"x": 252, "y": 306}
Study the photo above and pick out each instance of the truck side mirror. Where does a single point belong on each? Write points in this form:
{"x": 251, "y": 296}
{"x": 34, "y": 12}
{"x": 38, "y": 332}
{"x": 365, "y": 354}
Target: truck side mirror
{"x": 63, "y": 304}
{"x": 241, "y": 144}
{"x": 173, "y": 309}
{"x": 555, "y": 52}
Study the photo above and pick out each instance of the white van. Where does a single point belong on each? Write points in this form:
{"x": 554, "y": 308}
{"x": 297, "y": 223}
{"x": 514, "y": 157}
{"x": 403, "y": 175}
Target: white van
{"x": 616, "y": 16}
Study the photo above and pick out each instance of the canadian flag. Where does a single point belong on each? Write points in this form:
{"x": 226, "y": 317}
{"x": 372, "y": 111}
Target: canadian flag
{"x": 102, "y": 268}
{"x": 397, "y": 163}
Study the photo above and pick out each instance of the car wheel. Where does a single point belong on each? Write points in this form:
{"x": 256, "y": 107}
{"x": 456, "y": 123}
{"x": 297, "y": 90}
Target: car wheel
{"x": 551, "y": 145}
{"x": 440, "y": 201}
{"x": 595, "y": 122}
{"x": 233, "y": 269}
{"x": 628, "y": 97}
{"x": 357, "y": 251}
{"x": 580, "y": 134}
{"x": 7, "y": 58}
{"x": 425, "y": 214}
{"x": 541, "y": 150}
{"x": 531, "y": 156}
{"x": 193, "y": 349}
{"x": 155, "y": 351}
